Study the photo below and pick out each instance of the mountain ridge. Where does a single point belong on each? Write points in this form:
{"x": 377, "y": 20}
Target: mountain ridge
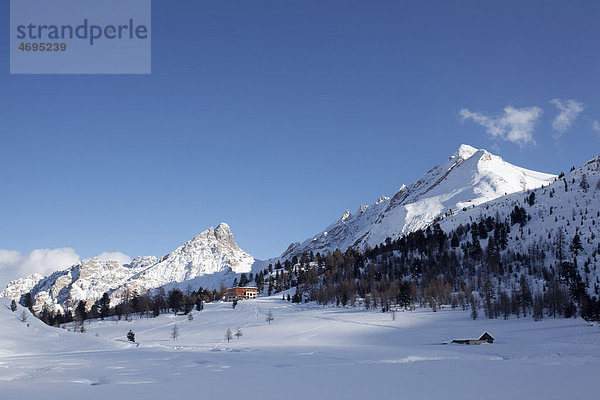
{"x": 210, "y": 258}
{"x": 468, "y": 178}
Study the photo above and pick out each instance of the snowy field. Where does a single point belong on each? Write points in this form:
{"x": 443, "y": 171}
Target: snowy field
{"x": 307, "y": 352}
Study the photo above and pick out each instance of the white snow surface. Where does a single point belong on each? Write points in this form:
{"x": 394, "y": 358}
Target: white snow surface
{"x": 571, "y": 211}
{"x": 469, "y": 178}
{"x": 307, "y": 352}
{"x": 209, "y": 259}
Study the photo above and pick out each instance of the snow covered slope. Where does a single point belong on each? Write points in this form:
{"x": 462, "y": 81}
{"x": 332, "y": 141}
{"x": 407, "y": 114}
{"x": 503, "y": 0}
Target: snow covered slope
{"x": 470, "y": 177}
{"x": 307, "y": 352}
{"x": 209, "y": 259}
{"x": 23, "y": 335}
{"x": 569, "y": 206}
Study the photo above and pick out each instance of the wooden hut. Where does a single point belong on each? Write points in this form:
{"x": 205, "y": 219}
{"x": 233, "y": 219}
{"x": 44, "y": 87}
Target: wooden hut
{"x": 485, "y": 338}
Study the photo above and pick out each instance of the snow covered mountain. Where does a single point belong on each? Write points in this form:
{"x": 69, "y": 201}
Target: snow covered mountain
{"x": 209, "y": 259}
{"x": 470, "y": 177}
{"x": 567, "y": 207}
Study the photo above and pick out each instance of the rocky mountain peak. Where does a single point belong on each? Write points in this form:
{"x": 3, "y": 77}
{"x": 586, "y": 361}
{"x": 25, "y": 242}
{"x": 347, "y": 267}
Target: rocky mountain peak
{"x": 470, "y": 177}
{"x": 208, "y": 260}
{"x": 464, "y": 152}
{"x": 223, "y": 234}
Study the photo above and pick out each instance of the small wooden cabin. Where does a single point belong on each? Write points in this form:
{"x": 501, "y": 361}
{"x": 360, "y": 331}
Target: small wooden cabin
{"x": 485, "y": 338}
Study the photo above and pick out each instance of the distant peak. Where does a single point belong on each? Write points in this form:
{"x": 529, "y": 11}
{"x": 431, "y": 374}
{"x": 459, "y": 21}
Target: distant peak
{"x": 223, "y": 233}
{"x": 382, "y": 199}
{"x": 223, "y": 227}
{"x": 465, "y": 151}
{"x": 594, "y": 160}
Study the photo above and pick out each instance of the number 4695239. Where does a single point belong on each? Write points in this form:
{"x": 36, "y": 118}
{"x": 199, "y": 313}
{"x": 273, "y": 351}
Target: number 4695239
{"x": 43, "y": 46}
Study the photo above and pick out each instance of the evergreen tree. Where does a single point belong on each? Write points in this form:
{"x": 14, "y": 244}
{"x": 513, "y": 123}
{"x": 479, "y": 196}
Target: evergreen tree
{"x": 80, "y": 313}
{"x": 175, "y": 300}
{"x": 518, "y": 216}
{"x": 104, "y": 304}
{"x": 13, "y": 306}
{"x": 576, "y": 245}
{"x": 28, "y": 301}
{"x": 583, "y": 184}
{"x": 454, "y": 242}
{"x": 199, "y": 303}
{"x": 560, "y": 246}
{"x": 131, "y": 336}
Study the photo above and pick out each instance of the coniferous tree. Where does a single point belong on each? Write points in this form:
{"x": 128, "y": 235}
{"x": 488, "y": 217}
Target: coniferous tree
{"x": 583, "y": 183}
{"x": 28, "y": 301}
{"x": 560, "y": 246}
{"x": 80, "y": 312}
{"x": 454, "y": 243}
{"x": 175, "y": 300}
{"x": 104, "y": 304}
{"x": 576, "y": 245}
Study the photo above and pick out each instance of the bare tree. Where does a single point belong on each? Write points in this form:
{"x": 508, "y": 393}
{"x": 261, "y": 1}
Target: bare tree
{"x": 238, "y": 333}
{"x": 23, "y": 316}
{"x": 269, "y": 317}
{"x": 228, "y": 335}
{"x": 174, "y": 332}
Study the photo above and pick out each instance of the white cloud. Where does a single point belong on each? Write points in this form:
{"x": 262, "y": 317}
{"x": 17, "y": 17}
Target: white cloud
{"x": 14, "y": 265}
{"x": 516, "y": 124}
{"x": 116, "y": 256}
{"x": 568, "y": 112}
{"x": 9, "y": 257}
{"x": 596, "y": 126}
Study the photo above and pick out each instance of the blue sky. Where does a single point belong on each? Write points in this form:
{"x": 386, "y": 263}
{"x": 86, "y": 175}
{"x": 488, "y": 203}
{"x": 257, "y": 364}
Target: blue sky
{"x": 278, "y": 116}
